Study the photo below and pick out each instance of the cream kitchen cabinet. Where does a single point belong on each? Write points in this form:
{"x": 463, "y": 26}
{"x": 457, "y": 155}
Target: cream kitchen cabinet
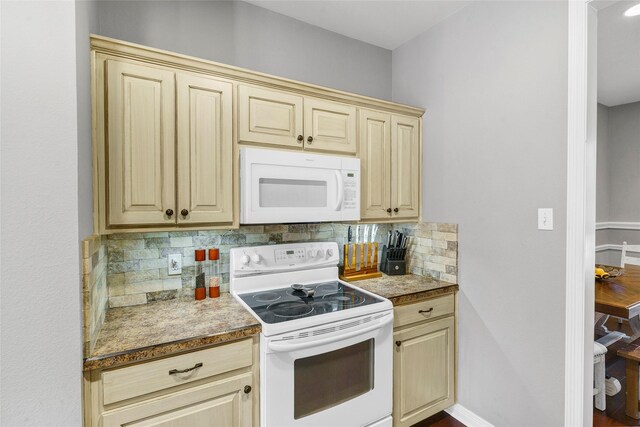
{"x": 164, "y": 146}
{"x": 281, "y": 119}
{"x": 424, "y": 359}
{"x": 215, "y": 386}
{"x": 390, "y": 155}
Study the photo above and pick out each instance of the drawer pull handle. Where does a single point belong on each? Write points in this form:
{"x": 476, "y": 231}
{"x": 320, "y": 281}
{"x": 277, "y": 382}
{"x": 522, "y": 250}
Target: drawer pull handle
{"x": 182, "y": 371}
{"x": 425, "y": 311}
{"x": 247, "y": 389}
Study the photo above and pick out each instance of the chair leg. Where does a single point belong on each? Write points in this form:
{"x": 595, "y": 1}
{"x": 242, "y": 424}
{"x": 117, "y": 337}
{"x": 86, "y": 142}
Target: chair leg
{"x": 599, "y": 383}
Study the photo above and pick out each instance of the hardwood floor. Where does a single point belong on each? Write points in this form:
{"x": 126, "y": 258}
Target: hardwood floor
{"x": 614, "y": 414}
{"x": 441, "y": 419}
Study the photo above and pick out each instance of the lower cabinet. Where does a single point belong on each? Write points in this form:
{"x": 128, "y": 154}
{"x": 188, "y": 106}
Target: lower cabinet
{"x": 424, "y": 361}
{"x": 217, "y": 386}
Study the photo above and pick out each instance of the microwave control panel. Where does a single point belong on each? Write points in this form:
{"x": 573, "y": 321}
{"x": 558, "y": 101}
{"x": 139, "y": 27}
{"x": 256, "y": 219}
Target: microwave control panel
{"x": 351, "y": 181}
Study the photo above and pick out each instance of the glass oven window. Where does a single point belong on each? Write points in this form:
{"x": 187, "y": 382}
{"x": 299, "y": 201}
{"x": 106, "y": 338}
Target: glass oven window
{"x": 298, "y": 193}
{"x": 328, "y": 379}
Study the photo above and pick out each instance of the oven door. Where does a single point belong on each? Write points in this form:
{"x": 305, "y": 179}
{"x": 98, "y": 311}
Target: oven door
{"x": 333, "y": 375}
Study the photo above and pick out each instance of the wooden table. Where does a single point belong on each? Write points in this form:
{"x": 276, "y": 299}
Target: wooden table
{"x": 620, "y": 296}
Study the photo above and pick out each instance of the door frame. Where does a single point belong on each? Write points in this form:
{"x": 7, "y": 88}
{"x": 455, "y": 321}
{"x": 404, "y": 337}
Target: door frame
{"x": 581, "y": 187}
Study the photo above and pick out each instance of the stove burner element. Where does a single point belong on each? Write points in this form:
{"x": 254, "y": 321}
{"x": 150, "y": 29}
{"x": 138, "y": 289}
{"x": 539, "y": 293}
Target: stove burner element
{"x": 266, "y": 297}
{"x": 290, "y": 309}
{"x": 345, "y": 298}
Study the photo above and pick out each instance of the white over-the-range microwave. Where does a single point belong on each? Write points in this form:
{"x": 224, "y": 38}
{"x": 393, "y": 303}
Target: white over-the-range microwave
{"x": 288, "y": 187}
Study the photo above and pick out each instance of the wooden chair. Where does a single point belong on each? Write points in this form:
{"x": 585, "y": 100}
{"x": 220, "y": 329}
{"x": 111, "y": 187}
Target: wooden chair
{"x": 599, "y": 384}
{"x": 626, "y": 259}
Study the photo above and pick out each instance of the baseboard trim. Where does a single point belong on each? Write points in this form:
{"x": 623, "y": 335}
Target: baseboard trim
{"x": 466, "y": 417}
{"x": 618, "y": 226}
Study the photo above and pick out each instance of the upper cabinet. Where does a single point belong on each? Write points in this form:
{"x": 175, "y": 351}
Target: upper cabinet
{"x": 165, "y": 144}
{"x": 390, "y": 166}
{"x": 281, "y": 119}
{"x": 167, "y": 130}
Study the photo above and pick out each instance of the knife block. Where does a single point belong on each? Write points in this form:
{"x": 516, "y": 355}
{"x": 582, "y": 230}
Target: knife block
{"x": 393, "y": 266}
{"x": 366, "y": 255}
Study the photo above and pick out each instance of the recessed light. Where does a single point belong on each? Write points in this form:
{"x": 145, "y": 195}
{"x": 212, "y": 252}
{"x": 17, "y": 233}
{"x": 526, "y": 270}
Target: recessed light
{"x": 633, "y": 11}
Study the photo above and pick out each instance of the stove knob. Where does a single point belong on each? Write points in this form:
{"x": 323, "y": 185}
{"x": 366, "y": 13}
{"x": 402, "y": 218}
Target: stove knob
{"x": 257, "y": 258}
{"x": 244, "y": 259}
{"x": 329, "y": 253}
{"x": 320, "y": 253}
{"x": 311, "y": 253}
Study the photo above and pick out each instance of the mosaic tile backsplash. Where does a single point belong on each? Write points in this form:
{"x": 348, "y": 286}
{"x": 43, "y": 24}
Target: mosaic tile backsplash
{"x": 137, "y": 262}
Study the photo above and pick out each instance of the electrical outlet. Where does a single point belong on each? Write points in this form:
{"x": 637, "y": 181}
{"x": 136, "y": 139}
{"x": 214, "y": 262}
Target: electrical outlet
{"x": 174, "y": 266}
{"x": 545, "y": 219}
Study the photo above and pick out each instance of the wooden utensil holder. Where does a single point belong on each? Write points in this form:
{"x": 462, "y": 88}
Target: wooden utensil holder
{"x": 368, "y": 260}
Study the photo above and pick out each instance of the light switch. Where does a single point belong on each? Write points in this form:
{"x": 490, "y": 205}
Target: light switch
{"x": 174, "y": 266}
{"x": 545, "y": 218}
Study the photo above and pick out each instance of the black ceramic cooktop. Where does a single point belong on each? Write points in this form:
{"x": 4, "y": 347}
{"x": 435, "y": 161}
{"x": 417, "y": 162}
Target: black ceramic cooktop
{"x": 285, "y": 304}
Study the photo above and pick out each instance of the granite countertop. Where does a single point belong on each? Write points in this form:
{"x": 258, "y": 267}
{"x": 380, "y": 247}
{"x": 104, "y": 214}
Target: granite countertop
{"x": 132, "y": 334}
{"x": 162, "y": 328}
{"x": 406, "y": 289}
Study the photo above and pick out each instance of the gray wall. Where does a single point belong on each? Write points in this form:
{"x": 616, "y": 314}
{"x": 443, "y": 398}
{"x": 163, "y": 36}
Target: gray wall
{"x": 245, "y": 35}
{"x": 603, "y": 185}
{"x": 86, "y": 23}
{"x": 493, "y": 79}
{"x": 40, "y": 317}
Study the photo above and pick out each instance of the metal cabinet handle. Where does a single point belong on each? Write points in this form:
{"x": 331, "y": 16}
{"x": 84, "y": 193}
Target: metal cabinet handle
{"x": 169, "y": 212}
{"x": 247, "y": 389}
{"x": 426, "y": 311}
{"x": 182, "y": 371}
{"x": 388, "y": 210}
{"x": 310, "y": 139}
{"x": 300, "y": 138}
{"x": 398, "y": 343}
{"x": 184, "y": 212}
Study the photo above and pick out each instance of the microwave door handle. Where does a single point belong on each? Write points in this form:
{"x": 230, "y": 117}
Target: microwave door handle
{"x": 340, "y": 183}
{"x": 285, "y": 346}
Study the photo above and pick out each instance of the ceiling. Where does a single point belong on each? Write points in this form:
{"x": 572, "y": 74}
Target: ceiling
{"x": 384, "y": 23}
{"x": 618, "y": 55}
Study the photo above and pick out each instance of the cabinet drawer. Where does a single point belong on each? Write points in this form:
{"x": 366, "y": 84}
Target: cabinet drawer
{"x": 132, "y": 381}
{"x": 424, "y": 310}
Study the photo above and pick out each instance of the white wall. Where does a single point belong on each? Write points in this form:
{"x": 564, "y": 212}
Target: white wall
{"x": 493, "y": 79}
{"x": 40, "y": 306}
{"x": 245, "y": 35}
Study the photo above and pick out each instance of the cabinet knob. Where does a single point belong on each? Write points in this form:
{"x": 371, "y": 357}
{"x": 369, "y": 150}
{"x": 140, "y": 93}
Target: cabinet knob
{"x": 300, "y": 138}
{"x": 398, "y": 343}
{"x": 169, "y": 212}
{"x": 184, "y": 212}
{"x": 310, "y": 139}
{"x": 389, "y": 210}
{"x": 247, "y": 389}
{"x": 396, "y": 210}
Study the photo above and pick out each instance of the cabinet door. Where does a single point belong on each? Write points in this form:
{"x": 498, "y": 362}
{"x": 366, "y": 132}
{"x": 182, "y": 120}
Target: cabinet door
{"x": 375, "y": 171}
{"x": 331, "y": 126}
{"x": 423, "y": 371}
{"x": 205, "y": 150}
{"x": 269, "y": 117}
{"x": 405, "y": 166}
{"x": 140, "y": 144}
{"x": 221, "y": 403}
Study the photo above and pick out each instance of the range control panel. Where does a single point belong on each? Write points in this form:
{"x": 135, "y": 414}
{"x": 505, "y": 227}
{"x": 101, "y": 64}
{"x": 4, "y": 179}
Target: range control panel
{"x": 285, "y": 257}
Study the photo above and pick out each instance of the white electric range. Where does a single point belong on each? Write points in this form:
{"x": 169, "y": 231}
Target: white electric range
{"x": 326, "y": 356}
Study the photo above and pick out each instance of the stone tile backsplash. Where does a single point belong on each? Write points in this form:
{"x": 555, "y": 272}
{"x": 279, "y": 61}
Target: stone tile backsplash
{"x": 136, "y": 271}
{"x": 94, "y": 288}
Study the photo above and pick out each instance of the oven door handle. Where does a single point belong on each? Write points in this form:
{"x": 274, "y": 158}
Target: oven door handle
{"x": 284, "y": 346}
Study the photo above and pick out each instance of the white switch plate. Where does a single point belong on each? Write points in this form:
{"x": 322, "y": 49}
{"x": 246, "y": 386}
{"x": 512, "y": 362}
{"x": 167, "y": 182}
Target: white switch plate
{"x": 174, "y": 264}
{"x": 545, "y": 218}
